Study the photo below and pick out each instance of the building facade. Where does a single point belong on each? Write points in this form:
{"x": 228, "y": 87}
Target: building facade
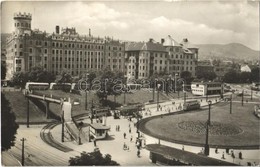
{"x": 59, "y": 51}
{"x": 66, "y": 50}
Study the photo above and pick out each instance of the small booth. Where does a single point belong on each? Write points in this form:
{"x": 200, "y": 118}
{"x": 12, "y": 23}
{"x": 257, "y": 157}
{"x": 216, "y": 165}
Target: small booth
{"x": 98, "y": 130}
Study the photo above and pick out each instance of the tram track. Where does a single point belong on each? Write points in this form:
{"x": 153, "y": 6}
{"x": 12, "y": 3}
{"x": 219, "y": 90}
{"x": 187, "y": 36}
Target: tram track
{"x": 47, "y": 137}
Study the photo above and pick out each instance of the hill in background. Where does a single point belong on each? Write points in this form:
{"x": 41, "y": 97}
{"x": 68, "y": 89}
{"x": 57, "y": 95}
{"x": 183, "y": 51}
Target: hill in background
{"x": 227, "y": 51}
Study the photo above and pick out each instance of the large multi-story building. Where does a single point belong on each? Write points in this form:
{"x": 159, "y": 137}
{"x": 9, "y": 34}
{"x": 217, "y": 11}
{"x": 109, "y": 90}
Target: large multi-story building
{"x": 66, "y": 50}
{"x": 146, "y": 58}
{"x": 58, "y": 51}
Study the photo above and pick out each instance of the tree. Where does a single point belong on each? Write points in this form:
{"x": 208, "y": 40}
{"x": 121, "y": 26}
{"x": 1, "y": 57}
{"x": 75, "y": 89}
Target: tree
{"x": 64, "y": 77}
{"x": 231, "y": 77}
{"x": 92, "y": 158}
{"x": 111, "y": 83}
{"x": 187, "y": 76}
{"x": 207, "y": 75}
{"x": 8, "y": 124}
{"x": 38, "y": 74}
{"x": 3, "y": 71}
{"x": 255, "y": 74}
{"x": 245, "y": 77}
{"x": 20, "y": 79}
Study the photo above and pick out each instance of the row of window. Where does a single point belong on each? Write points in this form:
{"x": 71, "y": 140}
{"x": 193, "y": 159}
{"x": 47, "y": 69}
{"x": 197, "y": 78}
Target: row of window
{"x": 73, "y": 45}
{"x": 27, "y": 25}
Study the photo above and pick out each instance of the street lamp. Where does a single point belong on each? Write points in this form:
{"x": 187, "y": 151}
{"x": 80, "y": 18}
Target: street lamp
{"x": 206, "y": 148}
{"x": 242, "y": 98}
{"x": 175, "y": 81}
{"x": 209, "y": 102}
{"x": 158, "y": 86}
{"x": 231, "y": 104}
{"x": 86, "y": 95}
{"x": 125, "y": 89}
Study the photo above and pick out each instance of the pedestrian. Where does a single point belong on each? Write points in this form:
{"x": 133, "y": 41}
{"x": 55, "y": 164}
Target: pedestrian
{"x": 216, "y": 150}
{"x": 138, "y": 153}
{"x": 131, "y": 139}
{"x": 124, "y": 146}
{"x": 223, "y": 155}
{"x": 95, "y": 144}
{"x": 182, "y": 148}
{"x": 240, "y": 155}
{"x": 124, "y": 135}
{"x": 227, "y": 150}
{"x": 129, "y": 130}
{"x": 232, "y": 154}
{"x": 118, "y": 127}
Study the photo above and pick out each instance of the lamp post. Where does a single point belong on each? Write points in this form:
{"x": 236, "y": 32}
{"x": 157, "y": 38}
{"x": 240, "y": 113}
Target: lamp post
{"x": 158, "y": 86}
{"x": 125, "y": 89}
{"x": 92, "y": 116}
{"x": 175, "y": 82}
{"x": 153, "y": 88}
{"x": 231, "y": 104}
{"x": 206, "y": 148}
{"x": 251, "y": 94}
{"x": 206, "y": 92}
{"x": 86, "y": 95}
{"x": 209, "y": 102}
{"x": 242, "y": 98}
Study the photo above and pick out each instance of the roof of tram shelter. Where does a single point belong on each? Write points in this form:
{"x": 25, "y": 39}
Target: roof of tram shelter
{"x": 99, "y": 126}
{"x": 185, "y": 156}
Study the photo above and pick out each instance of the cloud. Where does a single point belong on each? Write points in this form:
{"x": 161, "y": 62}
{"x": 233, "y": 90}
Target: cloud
{"x": 201, "y": 22}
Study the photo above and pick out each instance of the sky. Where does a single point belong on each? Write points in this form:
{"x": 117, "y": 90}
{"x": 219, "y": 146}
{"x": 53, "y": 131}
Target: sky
{"x": 202, "y": 22}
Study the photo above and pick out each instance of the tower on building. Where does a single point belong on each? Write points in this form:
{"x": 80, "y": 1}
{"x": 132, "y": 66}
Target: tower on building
{"x": 22, "y": 23}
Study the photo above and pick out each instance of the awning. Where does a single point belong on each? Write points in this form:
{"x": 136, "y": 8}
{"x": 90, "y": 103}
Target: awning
{"x": 99, "y": 126}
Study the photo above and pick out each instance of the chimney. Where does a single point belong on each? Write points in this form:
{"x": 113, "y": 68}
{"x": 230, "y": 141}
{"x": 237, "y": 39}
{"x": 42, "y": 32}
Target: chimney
{"x": 185, "y": 40}
{"x": 89, "y": 32}
{"x": 162, "y": 40}
{"x": 57, "y": 29}
{"x": 151, "y": 40}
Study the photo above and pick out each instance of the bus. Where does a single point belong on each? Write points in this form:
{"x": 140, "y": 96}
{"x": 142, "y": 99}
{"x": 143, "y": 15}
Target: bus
{"x": 36, "y": 86}
{"x": 60, "y": 86}
{"x": 191, "y": 105}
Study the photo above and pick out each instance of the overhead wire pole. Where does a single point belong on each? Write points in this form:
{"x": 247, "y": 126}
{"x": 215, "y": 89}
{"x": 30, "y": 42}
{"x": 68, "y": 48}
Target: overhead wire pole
{"x": 231, "y": 104}
{"x": 28, "y": 108}
{"x": 23, "y": 139}
{"x": 242, "y": 98}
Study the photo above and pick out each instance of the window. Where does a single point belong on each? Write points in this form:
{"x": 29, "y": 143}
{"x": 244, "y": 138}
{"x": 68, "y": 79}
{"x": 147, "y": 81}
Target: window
{"x": 21, "y": 45}
{"x": 45, "y": 44}
{"x": 30, "y": 50}
{"x": 21, "y": 54}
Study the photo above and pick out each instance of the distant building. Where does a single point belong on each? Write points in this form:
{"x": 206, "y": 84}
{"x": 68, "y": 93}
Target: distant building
{"x": 206, "y": 88}
{"x": 65, "y": 50}
{"x": 144, "y": 59}
{"x": 245, "y": 68}
{"x": 204, "y": 65}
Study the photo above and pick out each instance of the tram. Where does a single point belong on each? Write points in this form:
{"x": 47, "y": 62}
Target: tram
{"x": 191, "y": 105}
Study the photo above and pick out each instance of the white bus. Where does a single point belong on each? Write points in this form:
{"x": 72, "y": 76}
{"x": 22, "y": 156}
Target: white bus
{"x": 59, "y": 86}
{"x": 36, "y": 86}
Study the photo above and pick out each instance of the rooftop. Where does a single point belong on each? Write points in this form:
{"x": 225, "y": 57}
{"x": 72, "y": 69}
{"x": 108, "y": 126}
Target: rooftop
{"x": 144, "y": 46}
